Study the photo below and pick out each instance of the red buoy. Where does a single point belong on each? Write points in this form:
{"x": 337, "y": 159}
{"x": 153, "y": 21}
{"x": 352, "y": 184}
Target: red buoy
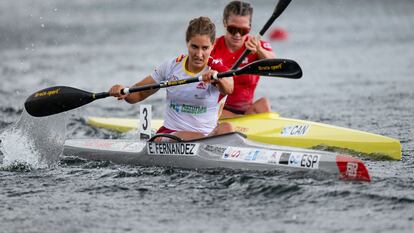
{"x": 278, "y": 34}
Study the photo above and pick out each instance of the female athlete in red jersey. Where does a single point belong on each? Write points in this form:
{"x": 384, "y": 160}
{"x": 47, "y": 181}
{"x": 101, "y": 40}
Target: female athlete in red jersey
{"x": 237, "y": 17}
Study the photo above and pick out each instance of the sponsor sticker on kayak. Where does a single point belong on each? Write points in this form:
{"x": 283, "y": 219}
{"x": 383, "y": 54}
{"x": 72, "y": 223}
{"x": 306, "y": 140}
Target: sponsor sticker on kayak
{"x": 134, "y": 146}
{"x": 295, "y": 130}
{"x": 304, "y": 160}
{"x": 96, "y": 144}
{"x": 275, "y": 157}
{"x": 351, "y": 169}
{"x": 218, "y": 150}
{"x": 285, "y": 158}
{"x": 103, "y": 144}
{"x": 190, "y": 149}
{"x": 247, "y": 154}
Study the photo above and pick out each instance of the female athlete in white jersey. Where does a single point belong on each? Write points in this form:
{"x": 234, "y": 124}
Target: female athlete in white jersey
{"x": 192, "y": 110}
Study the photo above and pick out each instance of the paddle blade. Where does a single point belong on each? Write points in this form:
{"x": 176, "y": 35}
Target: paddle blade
{"x": 273, "y": 67}
{"x": 55, "y": 100}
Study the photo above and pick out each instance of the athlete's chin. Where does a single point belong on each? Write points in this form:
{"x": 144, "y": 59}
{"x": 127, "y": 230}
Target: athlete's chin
{"x": 237, "y": 42}
{"x": 198, "y": 63}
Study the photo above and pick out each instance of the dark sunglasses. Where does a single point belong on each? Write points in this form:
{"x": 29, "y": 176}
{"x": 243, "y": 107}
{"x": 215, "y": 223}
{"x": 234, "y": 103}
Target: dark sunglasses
{"x": 234, "y": 30}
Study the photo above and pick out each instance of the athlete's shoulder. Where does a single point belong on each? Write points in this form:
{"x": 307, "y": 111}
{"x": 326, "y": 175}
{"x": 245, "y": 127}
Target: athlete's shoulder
{"x": 168, "y": 65}
{"x": 220, "y": 39}
{"x": 219, "y": 43}
{"x": 180, "y": 58}
{"x": 176, "y": 61}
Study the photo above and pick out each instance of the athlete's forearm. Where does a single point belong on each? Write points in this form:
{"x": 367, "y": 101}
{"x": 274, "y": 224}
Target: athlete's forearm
{"x": 225, "y": 85}
{"x": 141, "y": 95}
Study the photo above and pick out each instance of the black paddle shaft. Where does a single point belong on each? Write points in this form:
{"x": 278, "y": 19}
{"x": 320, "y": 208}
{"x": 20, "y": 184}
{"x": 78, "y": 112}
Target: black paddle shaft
{"x": 280, "y": 7}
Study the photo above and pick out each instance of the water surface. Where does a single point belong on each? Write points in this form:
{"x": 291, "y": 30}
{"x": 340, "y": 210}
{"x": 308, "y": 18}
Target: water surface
{"x": 358, "y": 63}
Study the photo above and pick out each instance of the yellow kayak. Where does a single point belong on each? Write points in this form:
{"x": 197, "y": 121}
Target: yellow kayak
{"x": 270, "y": 128}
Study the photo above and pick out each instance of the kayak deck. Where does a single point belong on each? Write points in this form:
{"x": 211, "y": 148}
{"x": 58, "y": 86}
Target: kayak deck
{"x": 225, "y": 151}
{"x": 270, "y": 128}
{"x": 306, "y": 134}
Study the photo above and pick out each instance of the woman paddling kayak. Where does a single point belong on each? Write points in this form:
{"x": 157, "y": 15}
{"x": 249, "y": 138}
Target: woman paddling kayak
{"x": 191, "y": 110}
{"x": 237, "y": 18}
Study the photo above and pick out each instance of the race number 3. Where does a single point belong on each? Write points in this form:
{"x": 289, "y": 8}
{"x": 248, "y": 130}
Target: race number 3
{"x": 145, "y": 115}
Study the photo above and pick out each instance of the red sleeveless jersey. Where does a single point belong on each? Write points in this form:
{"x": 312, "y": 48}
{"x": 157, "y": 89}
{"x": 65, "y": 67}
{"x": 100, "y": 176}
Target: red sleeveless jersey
{"x": 244, "y": 85}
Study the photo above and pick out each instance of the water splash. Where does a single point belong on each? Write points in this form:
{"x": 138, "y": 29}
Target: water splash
{"x": 33, "y": 142}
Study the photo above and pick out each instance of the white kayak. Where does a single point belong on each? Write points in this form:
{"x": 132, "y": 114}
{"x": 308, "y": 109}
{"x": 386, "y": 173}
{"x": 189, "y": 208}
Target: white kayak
{"x": 232, "y": 151}
{"x": 270, "y": 128}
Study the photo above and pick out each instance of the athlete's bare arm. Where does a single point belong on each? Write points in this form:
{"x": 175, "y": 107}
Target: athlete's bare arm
{"x": 137, "y": 96}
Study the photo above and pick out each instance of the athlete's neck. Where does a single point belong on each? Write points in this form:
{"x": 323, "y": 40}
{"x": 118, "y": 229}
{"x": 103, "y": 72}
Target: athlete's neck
{"x": 232, "y": 47}
{"x": 193, "y": 69}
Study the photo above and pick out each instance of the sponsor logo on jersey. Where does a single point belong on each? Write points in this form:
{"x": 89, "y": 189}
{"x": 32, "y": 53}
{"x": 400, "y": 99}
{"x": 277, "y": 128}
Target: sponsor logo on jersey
{"x": 173, "y": 78}
{"x": 202, "y": 85}
{"x": 216, "y": 61}
{"x": 187, "y": 108}
{"x": 266, "y": 45}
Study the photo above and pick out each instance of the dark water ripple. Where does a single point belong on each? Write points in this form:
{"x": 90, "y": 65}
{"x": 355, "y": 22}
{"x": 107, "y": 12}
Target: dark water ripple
{"x": 17, "y": 167}
{"x": 72, "y": 161}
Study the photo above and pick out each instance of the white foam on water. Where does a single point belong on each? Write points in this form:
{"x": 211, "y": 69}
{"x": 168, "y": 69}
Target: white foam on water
{"x": 17, "y": 148}
{"x": 36, "y": 142}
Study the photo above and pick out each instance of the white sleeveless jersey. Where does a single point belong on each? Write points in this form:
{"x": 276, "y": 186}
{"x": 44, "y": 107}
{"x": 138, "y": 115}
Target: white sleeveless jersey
{"x": 190, "y": 107}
